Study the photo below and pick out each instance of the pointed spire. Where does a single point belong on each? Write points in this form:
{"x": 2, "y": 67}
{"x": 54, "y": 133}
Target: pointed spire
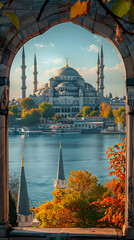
{"x": 60, "y": 171}
{"x": 67, "y": 62}
{"x": 23, "y": 52}
{"x": 35, "y": 61}
{"x": 22, "y": 164}
{"x": 98, "y": 61}
{"x": 101, "y": 51}
{"x": 23, "y": 200}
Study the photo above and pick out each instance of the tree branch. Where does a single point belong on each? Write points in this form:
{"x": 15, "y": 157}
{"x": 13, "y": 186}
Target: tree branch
{"x": 116, "y": 18}
{"x": 42, "y": 9}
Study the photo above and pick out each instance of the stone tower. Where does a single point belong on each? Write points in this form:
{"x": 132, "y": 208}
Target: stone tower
{"x": 25, "y": 218}
{"x": 35, "y": 82}
{"x": 23, "y": 77}
{"x": 101, "y": 76}
{"x": 60, "y": 181}
{"x": 98, "y": 71}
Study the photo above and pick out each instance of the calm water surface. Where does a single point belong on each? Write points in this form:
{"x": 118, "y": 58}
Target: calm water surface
{"x": 41, "y": 152}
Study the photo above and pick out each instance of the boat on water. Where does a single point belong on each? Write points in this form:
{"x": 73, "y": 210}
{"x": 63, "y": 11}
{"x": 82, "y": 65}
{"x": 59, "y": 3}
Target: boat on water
{"x": 107, "y": 131}
{"x": 11, "y": 131}
{"x": 25, "y": 131}
{"x": 66, "y": 131}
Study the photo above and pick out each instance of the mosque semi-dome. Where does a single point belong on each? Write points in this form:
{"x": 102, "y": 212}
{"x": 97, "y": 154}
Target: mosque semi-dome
{"x": 66, "y": 85}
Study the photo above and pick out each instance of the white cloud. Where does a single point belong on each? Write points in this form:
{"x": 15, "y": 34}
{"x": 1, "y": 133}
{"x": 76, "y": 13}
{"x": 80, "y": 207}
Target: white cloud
{"x": 91, "y": 48}
{"x": 41, "y": 45}
{"x": 50, "y": 72}
{"x": 52, "y": 44}
{"x": 117, "y": 67}
{"x": 97, "y": 39}
{"x": 17, "y": 69}
{"x": 56, "y": 61}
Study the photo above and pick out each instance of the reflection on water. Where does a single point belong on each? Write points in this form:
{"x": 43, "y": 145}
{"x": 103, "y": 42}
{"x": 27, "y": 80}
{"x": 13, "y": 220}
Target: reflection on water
{"x": 41, "y": 157}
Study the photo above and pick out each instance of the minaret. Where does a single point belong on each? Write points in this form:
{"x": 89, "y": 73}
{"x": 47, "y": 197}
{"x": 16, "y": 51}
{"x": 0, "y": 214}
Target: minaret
{"x": 23, "y": 77}
{"x": 101, "y": 76}
{"x": 60, "y": 181}
{"x": 25, "y": 218}
{"x": 35, "y": 82}
{"x": 97, "y": 82}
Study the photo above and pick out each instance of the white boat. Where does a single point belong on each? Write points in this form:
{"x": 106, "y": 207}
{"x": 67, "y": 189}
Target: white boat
{"x": 30, "y": 132}
{"x": 107, "y": 131}
{"x": 66, "y": 131}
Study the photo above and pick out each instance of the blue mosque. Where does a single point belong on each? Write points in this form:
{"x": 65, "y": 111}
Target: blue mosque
{"x": 67, "y": 90}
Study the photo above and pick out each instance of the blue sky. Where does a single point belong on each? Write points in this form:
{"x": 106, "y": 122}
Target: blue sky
{"x": 80, "y": 46}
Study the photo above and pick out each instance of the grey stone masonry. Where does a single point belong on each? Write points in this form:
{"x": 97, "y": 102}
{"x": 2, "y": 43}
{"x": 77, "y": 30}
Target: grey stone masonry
{"x": 11, "y": 40}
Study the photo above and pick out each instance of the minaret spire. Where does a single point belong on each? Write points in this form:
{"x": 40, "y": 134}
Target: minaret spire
{"x": 22, "y": 160}
{"x": 67, "y": 62}
{"x": 60, "y": 181}
{"x": 35, "y": 73}
{"x": 97, "y": 81}
{"x": 23, "y": 77}
{"x": 25, "y": 217}
{"x": 101, "y": 76}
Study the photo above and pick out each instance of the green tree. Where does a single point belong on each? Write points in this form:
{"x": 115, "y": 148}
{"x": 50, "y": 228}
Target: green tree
{"x": 86, "y": 111}
{"x": 27, "y": 103}
{"x": 11, "y": 117}
{"x": 78, "y": 115}
{"x": 46, "y": 110}
{"x": 94, "y": 113}
{"x": 57, "y": 117}
{"x": 12, "y": 211}
{"x": 30, "y": 117}
{"x": 14, "y": 110}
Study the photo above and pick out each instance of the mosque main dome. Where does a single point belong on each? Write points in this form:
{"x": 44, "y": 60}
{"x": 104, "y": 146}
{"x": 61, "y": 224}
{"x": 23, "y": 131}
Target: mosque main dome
{"x": 67, "y": 72}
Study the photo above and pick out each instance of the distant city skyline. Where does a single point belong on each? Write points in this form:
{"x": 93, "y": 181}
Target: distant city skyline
{"x": 70, "y": 41}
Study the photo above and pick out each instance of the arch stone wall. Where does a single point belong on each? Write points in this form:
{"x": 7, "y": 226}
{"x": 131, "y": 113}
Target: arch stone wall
{"x": 11, "y": 40}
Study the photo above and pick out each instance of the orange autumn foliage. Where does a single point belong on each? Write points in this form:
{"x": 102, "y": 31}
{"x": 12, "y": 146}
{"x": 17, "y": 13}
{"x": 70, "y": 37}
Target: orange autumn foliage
{"x": 105, "y": 110}
{"x": 80, "y": 8}
{"x": 115, "y": 201}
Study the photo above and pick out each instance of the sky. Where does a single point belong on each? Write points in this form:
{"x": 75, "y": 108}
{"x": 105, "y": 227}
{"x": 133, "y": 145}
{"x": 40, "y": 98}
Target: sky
{"x": 71, "y": 41}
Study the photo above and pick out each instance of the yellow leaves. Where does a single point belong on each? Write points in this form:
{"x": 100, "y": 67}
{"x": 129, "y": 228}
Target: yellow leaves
{"x": 121, "y": 7}
{"x": 1, "y": 5}
{"x": 14, "y": 19}
{"x": 80, "y": 8}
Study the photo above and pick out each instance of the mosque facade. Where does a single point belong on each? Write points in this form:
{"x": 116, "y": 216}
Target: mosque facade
{"x": 67, "y": 90}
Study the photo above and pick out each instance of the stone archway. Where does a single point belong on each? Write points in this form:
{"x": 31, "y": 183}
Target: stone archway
{"x": 12, "y": 40}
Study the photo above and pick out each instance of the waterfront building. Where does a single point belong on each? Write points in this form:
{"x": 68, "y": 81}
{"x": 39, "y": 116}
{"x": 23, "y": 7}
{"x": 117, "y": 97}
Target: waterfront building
{"x": 60, "y": 180}
{"x": 117, "y": 103}
{"x": 25, "y": 217}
